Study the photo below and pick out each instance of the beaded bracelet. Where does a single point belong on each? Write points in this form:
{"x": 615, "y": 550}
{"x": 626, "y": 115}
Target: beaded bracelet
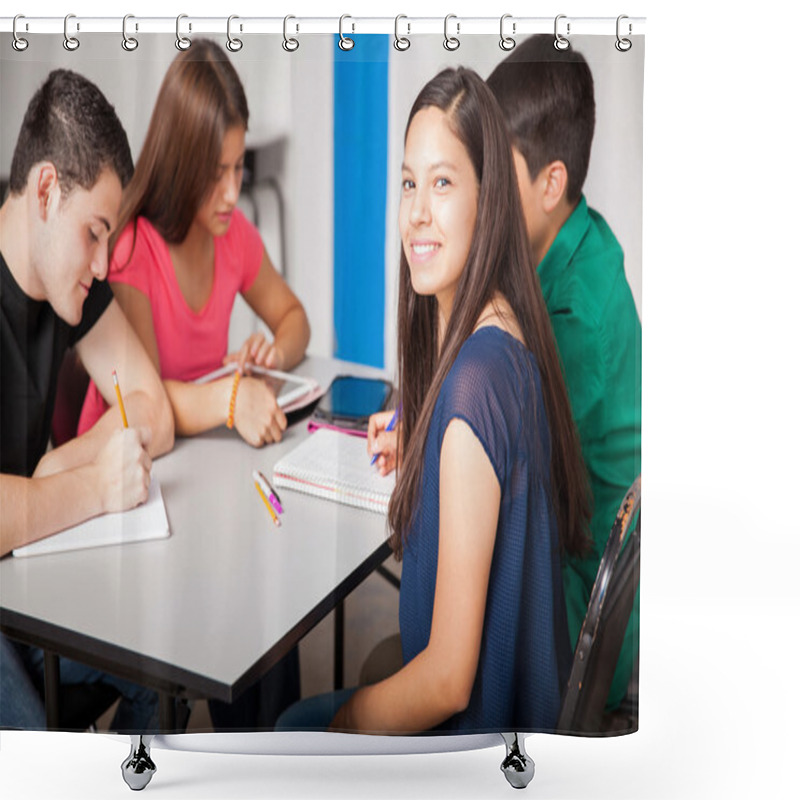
{"x": 232, "y": 403}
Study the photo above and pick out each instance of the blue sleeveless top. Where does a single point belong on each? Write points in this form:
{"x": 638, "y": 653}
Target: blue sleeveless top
{"x": 494, "y": 386}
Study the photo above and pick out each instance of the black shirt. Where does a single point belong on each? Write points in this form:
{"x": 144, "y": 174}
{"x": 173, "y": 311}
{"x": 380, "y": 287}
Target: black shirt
{"x": 33, "y": 340}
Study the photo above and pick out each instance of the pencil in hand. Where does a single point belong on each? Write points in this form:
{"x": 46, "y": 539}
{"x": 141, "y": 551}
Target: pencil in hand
{"x": 119, "y": 399}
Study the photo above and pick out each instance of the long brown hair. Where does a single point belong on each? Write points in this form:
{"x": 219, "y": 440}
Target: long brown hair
{"x": 200, "y": 98}
{"x": 498, "y": 262}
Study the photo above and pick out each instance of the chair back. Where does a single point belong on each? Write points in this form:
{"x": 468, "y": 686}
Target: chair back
{"x": 73, "y": 381}
{"x": 603, "y": 628}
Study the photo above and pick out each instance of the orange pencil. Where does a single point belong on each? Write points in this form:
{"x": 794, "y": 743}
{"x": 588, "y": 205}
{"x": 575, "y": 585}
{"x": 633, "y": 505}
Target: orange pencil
{"x": 266, "y": 503}
{"x": 119, "y": 399}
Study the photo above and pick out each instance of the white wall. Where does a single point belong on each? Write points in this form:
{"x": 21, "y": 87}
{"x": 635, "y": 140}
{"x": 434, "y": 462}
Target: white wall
{"x": 290, "y": 99}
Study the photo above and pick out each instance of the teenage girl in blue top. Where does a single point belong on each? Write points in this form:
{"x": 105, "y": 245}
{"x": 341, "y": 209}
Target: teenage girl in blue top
{"x": 491, "y": 486}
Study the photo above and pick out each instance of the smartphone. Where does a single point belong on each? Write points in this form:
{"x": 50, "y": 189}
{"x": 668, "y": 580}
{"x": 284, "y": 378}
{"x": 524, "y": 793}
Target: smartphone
{"x": 350, "y": 401}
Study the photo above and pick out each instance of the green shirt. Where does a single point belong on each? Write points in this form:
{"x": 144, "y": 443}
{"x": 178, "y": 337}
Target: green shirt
{"x": 599, "y": 338}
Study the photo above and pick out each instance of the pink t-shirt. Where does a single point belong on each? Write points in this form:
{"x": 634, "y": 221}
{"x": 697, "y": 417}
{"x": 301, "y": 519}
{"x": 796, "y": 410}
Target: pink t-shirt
{"x": 190, "y": 343}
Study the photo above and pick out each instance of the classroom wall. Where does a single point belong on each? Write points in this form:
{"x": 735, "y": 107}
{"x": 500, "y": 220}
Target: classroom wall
{"x": 291, "y": 99}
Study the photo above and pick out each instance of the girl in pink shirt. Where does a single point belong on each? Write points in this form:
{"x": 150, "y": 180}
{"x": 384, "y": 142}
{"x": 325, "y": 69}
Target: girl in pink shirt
{"x": 184, "y": 251}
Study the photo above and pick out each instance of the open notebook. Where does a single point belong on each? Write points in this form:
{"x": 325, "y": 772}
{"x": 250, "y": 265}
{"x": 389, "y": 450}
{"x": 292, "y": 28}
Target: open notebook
{"x": 147, "y": 521}
{"x": 335, "y": 466}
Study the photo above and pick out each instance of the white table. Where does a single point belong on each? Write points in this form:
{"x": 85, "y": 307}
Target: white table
{"x": 207, "y": 611}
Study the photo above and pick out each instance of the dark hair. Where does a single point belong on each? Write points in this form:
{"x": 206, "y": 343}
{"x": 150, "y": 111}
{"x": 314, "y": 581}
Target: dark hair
{"x": 201, "y": 97}
{"x": 70, "y": 123}
{"x": 498, "y": 262}
{"x": 547, "y": 99}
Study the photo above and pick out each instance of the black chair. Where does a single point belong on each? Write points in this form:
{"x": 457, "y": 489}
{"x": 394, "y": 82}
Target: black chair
{"x": 73, "y": 381}
{"x": 603, "y": 628}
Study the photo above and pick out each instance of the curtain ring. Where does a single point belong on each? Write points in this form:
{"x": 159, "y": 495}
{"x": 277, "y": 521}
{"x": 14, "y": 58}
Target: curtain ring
{"x": 289, "y": 44}
{"x": 451, "y": 42}
{"x": 507, "y": 42}
{"x": 129, "y": 43}
{"x": 233, "y": 44}
{"x": 623, "y": 45}
{"x": 401, "y": 42}
{"x": 18, "y": 43}
{"x": 345, "y": 43}
{"x": 560, "y": 42}
{"x": 71, "y": 43}
{"x": 181, "y": 42}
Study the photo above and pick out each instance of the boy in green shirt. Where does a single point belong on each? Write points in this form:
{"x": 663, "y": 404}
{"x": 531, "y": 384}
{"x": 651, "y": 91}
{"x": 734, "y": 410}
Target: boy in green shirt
{"x": 547, "y": 98}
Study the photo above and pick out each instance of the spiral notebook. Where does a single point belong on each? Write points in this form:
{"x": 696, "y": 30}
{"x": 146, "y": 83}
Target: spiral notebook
{"x": 335, "y": 466}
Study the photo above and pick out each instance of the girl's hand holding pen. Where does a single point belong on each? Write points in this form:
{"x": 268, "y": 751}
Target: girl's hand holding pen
{"x": 382, "y": 441}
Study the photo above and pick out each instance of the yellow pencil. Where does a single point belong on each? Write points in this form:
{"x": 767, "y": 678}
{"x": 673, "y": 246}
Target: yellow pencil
{"x": 119, "y": 399}
{"x": 266, "y": 503}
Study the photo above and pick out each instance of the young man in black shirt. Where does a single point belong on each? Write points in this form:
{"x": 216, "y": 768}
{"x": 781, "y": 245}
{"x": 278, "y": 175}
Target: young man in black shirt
{"x": 68, "y": 170}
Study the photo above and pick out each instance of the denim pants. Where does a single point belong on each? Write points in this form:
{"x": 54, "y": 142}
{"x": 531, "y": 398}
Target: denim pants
{"x": 22, "y": 679}
{"x": 314, "y": 713}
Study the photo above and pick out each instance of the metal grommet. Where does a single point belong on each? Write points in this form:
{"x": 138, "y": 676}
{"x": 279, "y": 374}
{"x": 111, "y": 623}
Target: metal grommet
{"x": 233, "y": 44}
{"x": 71, "y": 43}
{"x": 129, "y": 43}
{"x": 289, "y": 44}
{"x": 623, "y": 45}
{"x": 451, "y": 42}
{"x": 181, "y": 42}
{"x": 560, "y": 42}
{"x": 506, "y": 42}
{"x": 345, "y": 43}
{"x": 18, "y": 43}
{"x": 401, "y": 42}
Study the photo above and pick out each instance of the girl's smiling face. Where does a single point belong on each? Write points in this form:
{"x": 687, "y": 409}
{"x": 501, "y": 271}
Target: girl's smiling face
{"x": 438, "y": 207}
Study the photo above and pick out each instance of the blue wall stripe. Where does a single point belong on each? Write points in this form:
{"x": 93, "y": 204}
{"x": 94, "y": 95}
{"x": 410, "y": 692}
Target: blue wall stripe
{"x": 360, "y": 131}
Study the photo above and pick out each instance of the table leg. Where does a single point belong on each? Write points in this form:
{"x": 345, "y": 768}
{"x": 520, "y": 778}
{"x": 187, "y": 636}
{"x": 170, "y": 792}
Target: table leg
{"x": 338, "y": 642}
{"x": 389, "y": 576}
{"x": 52, "y": 679}
{"x": 166, "y": 712}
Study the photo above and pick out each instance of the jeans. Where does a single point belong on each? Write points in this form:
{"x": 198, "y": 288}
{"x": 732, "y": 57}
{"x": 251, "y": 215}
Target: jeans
{"x": 22, "y": 679}
{"x": 314, "y": 713}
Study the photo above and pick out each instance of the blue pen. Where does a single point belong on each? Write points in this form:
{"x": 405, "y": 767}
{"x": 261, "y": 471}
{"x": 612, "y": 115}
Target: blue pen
{"x": 389, "y": 427}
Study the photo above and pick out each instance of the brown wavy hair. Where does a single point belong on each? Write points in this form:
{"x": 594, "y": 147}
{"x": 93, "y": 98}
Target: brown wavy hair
{"x": 498, "y": 262}
{"x": 200, "y": 99}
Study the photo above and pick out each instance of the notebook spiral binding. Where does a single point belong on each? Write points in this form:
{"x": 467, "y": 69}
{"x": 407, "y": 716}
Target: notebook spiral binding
{"x": 452, "y": 28}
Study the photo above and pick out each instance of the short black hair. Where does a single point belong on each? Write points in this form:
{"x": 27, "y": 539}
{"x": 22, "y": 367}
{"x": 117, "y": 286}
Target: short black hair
{"x": 547, "y": 98}
{"x": 70, "y": 123}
